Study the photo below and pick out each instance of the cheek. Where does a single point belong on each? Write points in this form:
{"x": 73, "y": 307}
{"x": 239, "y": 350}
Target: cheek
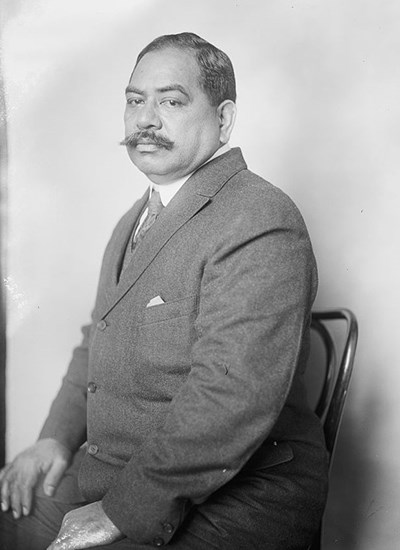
{"x": 129, "y": 119}
{"x": 195, "y": 133}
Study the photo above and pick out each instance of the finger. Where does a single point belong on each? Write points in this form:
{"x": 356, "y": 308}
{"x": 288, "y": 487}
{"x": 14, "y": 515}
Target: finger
{"x": 5, "y": 496}
{"x": 26, "y": 499}
{"x": 3, "y": 471}
{"x": 26, "y": 485}
{"x": 15, "y": 498}
{"x": 53, "y": 477}
{"x": 61, "y": 543}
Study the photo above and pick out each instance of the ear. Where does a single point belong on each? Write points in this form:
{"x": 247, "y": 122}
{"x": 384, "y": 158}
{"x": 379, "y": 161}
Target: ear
{"x": 227, "y": 116}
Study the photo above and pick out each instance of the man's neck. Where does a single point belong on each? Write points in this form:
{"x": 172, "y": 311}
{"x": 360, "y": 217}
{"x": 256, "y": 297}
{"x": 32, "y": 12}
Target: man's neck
{"x": 168, "y": 190}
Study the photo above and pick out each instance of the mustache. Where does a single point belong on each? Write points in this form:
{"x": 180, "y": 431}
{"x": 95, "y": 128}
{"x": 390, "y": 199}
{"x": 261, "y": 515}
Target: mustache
{"x": 149, "y": 136}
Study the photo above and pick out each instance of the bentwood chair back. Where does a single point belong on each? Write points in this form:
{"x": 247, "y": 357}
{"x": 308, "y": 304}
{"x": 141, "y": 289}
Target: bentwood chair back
{"x": 337, "y": 369}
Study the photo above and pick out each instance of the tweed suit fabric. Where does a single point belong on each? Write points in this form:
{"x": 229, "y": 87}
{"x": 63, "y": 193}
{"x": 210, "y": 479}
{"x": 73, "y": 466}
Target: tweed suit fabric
{"x": 191, "y": 390}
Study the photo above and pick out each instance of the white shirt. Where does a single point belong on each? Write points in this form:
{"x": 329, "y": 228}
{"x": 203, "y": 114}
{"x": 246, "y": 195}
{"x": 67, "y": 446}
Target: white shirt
{"x": 169, "y": 190}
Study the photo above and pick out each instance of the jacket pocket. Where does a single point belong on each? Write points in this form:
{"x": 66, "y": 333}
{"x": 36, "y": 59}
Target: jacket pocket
{"x": 163, "y": 344}
{"x": 169, "y": 310}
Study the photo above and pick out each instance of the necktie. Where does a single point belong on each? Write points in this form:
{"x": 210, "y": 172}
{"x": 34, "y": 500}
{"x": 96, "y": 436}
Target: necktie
{"x": 154, "y": 207}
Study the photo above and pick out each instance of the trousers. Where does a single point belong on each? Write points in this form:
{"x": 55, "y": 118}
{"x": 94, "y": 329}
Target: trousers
{"x": 276, "y": 508}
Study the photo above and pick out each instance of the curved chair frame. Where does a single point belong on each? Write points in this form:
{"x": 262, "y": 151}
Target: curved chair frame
{"x": 336, "y": 380}
{"x": 337, "y": 375}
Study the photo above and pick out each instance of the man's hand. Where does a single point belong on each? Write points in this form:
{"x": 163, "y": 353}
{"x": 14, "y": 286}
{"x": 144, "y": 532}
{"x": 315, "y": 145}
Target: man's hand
{"x": 86, "y": 527}
{"x": 18, "y": 479}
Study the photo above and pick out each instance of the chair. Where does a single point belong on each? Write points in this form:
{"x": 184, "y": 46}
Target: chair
{"x": 336, "y": 378}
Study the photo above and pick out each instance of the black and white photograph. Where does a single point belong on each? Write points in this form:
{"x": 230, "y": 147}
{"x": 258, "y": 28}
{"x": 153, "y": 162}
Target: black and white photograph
{"x": 199, "y": 266}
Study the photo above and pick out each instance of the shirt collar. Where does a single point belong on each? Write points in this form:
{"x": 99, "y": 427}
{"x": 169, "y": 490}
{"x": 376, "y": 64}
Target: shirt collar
{"x": 168, "y": 190}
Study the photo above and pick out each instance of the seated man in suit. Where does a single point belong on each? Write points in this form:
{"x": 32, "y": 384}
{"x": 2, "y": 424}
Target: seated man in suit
{"x": 182, "y": 419}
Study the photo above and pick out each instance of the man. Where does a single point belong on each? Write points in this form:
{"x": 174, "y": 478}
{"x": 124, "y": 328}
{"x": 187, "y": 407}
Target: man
{"x": 187, "y": 388}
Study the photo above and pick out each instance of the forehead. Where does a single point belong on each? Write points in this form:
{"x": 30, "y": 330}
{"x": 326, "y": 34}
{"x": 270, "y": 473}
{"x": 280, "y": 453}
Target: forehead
{"x": 162, "y": 68}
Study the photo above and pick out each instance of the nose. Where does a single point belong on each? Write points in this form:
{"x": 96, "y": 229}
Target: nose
{"x": 148, "y": 116}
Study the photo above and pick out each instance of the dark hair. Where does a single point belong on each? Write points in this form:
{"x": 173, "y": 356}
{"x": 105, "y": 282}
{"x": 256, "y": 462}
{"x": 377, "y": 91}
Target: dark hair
{"x": 216, "y": 70}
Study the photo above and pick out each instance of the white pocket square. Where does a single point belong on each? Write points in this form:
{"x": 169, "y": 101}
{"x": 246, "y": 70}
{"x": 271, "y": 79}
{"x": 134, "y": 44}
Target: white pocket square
{"x": 155, "y": 301}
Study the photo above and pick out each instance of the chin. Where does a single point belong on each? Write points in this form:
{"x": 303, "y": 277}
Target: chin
{"x": 150, "y": 166}
{"x": 150, "y": 158}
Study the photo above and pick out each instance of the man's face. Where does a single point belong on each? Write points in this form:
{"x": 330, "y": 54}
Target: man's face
{"x": 172, "y": 125}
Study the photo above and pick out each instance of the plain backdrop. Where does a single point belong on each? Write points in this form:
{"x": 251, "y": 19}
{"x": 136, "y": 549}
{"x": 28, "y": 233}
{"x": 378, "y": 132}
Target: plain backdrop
{"x": 319, "y": 116}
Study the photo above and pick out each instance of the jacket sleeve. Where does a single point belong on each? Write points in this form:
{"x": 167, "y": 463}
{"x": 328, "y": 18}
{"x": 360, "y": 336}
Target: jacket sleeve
{"x": 256, "y": 294}
{"x": 66, "y": 421}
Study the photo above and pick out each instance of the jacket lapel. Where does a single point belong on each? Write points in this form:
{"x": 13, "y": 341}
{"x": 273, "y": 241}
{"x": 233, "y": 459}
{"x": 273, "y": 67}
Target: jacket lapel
{"x": 125, "y": 229}
{"x": 192, "y": 197}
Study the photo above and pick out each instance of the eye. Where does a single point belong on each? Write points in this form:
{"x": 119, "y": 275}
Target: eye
{"x": 134, "y": 101}
{"x": 171, "y": 103}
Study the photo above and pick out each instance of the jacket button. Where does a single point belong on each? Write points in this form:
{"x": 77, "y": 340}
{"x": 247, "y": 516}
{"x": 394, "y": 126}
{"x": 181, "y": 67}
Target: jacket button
{"x": 93, "y": 449}
{"x": 168, "y": 528}
{"x": 91, "y": 387}
{"x": 158, "y": 541}
{"x": 102, "y": 325}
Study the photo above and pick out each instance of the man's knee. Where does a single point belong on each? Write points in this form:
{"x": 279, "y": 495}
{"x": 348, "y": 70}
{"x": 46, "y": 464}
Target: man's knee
{"x": 36, "y": 531}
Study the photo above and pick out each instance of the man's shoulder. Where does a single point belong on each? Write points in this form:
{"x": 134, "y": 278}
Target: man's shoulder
{"x": 251, "y": 192}
{"x": 243, "y": 181}
{"x": 253, "y": 183}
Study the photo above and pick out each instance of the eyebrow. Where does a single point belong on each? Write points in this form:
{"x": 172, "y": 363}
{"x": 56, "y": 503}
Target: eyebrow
{"x": 174, "y": 88}
{"x": 132, "y": 90}
{"x": 169, "y": 88}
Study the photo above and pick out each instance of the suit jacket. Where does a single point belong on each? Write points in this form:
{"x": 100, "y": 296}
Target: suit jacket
{"x": 174, "y": 399}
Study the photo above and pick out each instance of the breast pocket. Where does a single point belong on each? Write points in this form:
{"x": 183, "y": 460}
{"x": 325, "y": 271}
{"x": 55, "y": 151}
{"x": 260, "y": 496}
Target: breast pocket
{"x": 164, "y": 341}
{"x": 185, "y": 307}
